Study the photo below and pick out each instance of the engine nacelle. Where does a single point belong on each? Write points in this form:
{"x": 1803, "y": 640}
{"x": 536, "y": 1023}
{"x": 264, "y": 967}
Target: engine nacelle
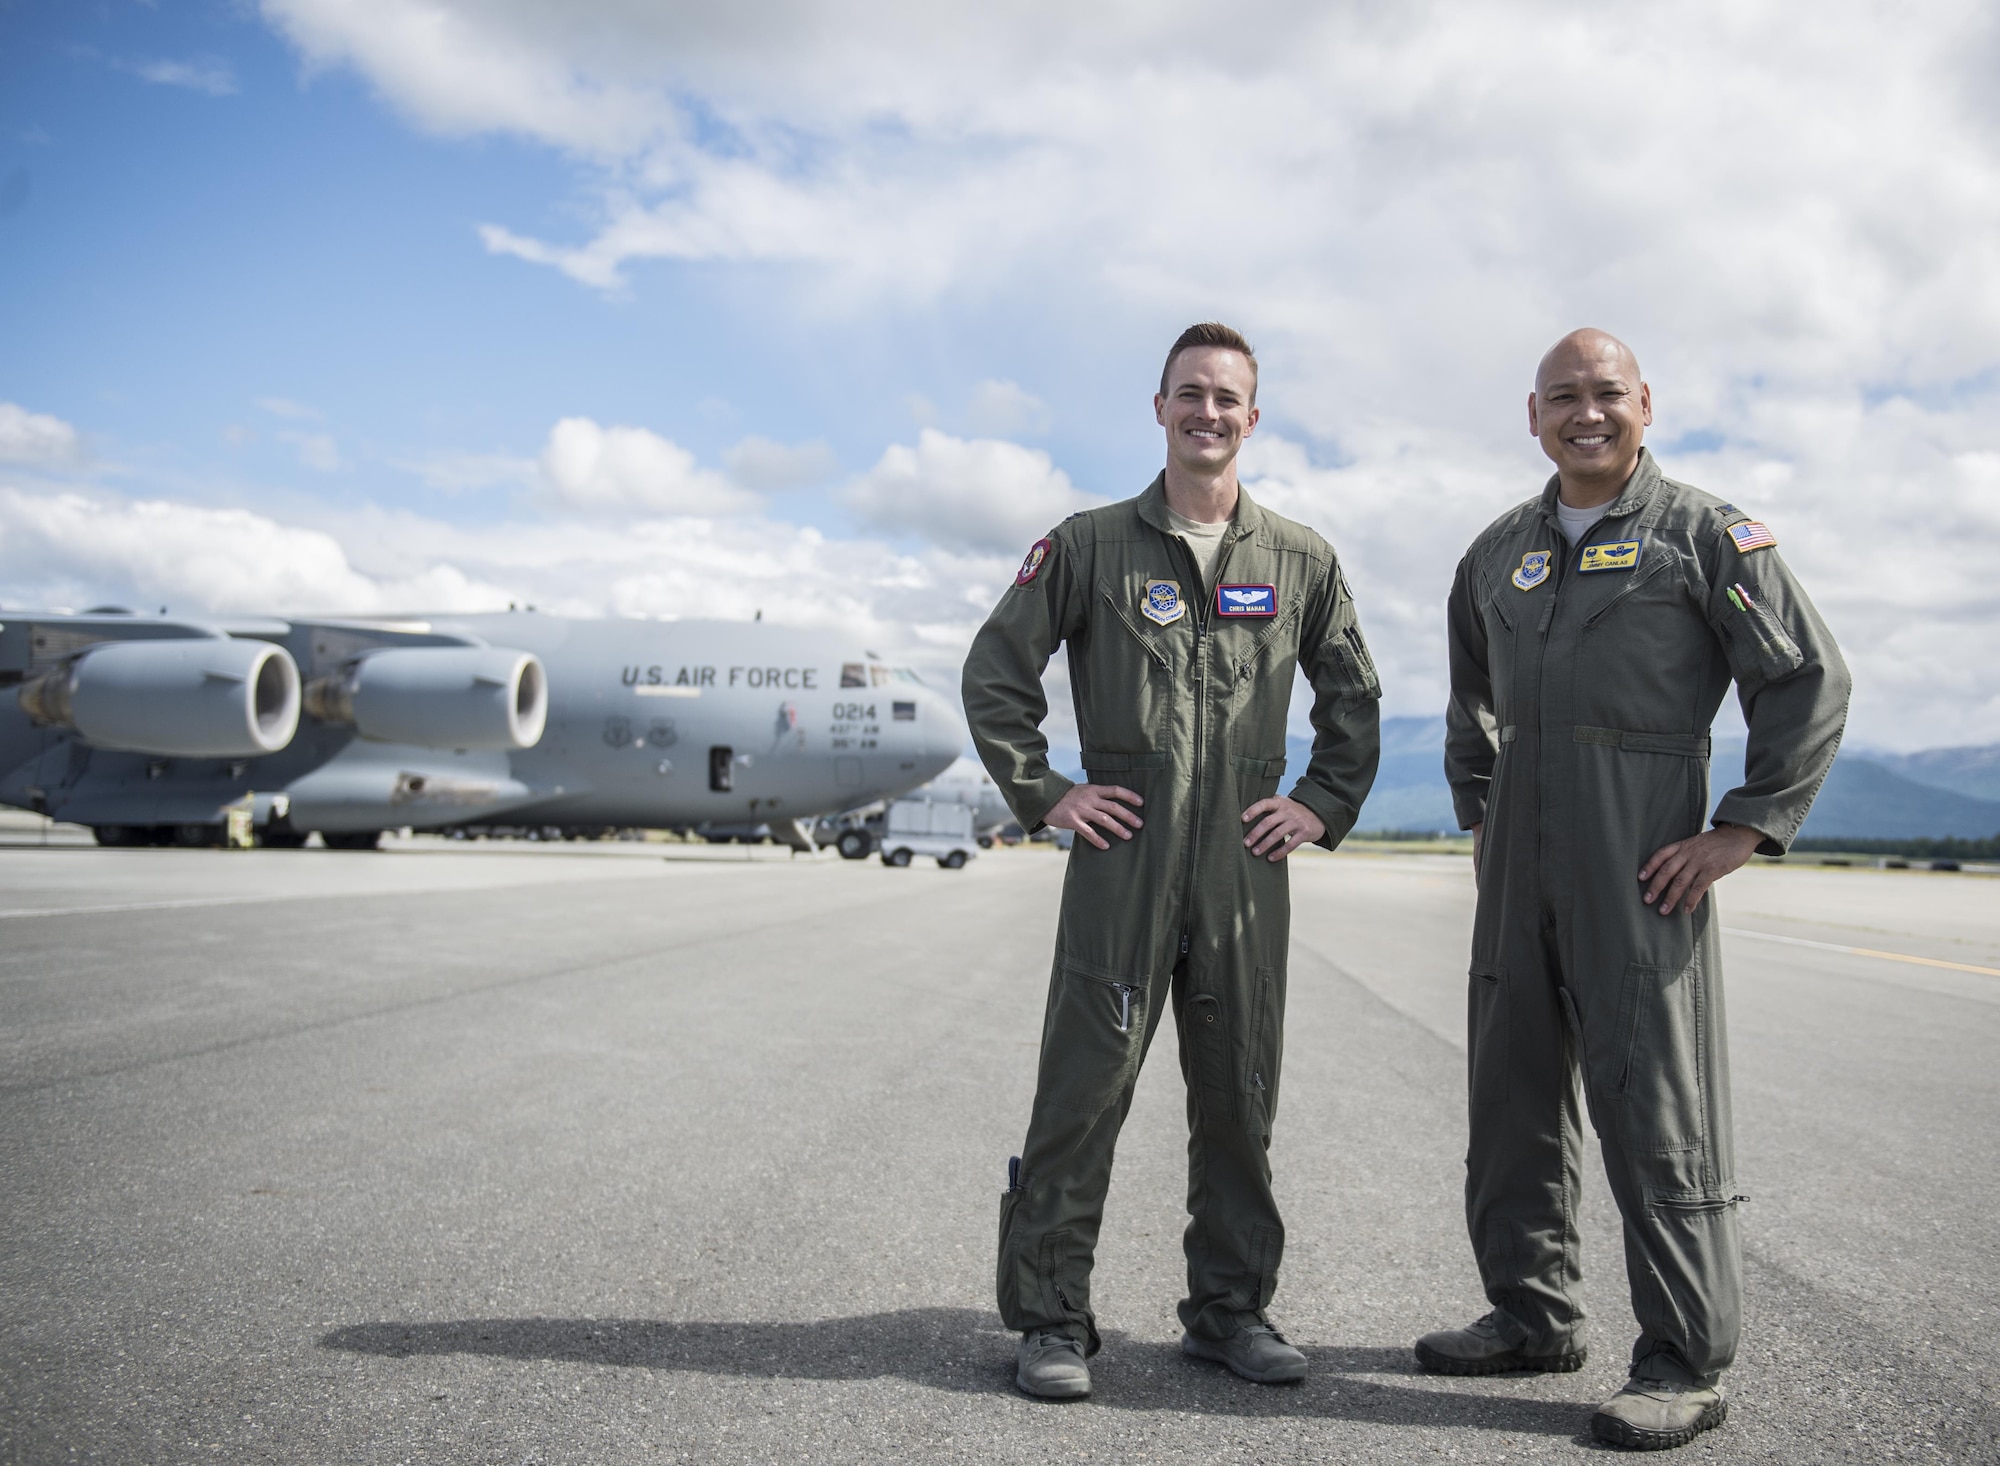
{"x": 210, "y": 697}
{"x": 438, "y": 697}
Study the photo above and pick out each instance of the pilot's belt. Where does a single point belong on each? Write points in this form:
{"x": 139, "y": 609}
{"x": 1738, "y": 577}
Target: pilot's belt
{"x": 1683, "y": 745}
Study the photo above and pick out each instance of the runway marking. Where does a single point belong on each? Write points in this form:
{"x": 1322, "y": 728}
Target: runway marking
{"x": 1737, "y": 931}
{"x": 184, "y": 902}
{"x": 159, "y": 905}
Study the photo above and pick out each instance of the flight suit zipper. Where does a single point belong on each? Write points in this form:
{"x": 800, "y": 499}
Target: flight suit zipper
{"x": 1559, "y": 560}
{"x": 1200, "y": 711}
{"x": 1124, "y": 991}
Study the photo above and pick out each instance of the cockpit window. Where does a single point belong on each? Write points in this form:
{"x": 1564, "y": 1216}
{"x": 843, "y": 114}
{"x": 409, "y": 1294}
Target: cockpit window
{"x": 908, "y": 674}
{"x": 880, "y": 674}
{"x": 853, "y": 674}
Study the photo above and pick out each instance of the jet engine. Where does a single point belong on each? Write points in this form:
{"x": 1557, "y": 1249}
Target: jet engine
{"x": 211, "y": 697}
{"x": 437, "y": 697}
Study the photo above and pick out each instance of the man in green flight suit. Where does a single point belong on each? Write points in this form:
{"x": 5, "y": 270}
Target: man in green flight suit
{"x": 1184, "y": 611}
{"x": 1593, "y": 632}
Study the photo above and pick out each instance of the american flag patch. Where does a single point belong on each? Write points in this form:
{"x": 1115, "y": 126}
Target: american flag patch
{"x": 1752, "y": 535}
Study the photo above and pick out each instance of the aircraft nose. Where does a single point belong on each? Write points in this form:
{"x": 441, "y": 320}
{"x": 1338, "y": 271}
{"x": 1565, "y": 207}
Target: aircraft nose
{"x": 941, "y": 733}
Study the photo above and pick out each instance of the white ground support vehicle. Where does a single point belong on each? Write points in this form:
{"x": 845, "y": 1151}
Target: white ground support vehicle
{"x": 917, "y": 827}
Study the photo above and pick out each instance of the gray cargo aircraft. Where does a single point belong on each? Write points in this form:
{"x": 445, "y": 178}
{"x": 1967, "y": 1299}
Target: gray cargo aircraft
{"x": 148, "y": 728}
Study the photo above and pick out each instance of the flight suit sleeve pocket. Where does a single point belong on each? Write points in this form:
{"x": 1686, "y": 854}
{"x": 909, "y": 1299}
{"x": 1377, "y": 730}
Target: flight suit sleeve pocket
{"x": 1093, "y": 1035}
{"x": 1760, "y": 649}
{"x": 1355, "y": 672}
{"x": 1488, "y": 1043}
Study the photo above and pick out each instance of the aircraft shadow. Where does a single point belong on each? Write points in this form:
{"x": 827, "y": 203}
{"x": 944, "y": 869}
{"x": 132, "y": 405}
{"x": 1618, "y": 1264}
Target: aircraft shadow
{"x": 965, "y": 1350}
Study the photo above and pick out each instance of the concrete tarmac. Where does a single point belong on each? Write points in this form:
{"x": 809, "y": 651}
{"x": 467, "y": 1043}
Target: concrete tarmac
{"x": 512, "y": 1155}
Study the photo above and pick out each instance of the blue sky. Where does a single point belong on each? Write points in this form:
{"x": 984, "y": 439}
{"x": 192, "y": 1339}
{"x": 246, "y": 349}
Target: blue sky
{"x": 827, "y": 309}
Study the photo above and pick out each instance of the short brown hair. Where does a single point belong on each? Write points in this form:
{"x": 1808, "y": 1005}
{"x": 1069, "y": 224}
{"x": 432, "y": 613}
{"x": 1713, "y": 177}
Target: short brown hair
{"x": 1211, "y": 333}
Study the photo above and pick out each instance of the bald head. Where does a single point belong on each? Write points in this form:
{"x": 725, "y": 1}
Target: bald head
{"x": 1584, "y": 349}
{"x": 1591, "y": 409}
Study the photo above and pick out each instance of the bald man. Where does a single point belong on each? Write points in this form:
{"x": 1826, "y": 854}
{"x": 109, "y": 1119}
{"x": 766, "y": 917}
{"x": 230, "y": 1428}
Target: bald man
{"x": 1593, "y": 633}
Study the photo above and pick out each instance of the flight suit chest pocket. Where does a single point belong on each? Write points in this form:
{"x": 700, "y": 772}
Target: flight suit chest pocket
{"x": 1093, "y": 1037}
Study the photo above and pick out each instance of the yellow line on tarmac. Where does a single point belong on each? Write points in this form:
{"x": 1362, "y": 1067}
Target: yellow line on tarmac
{"x": 1737, "y": 931}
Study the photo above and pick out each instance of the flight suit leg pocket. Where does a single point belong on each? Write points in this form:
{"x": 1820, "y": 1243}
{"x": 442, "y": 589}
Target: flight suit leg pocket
{"x": 1657, "y": 1085}
{"x": 1489, "y": 1044}
{"x": 1260, "y": 1070}
{"x": 1205, "y": 1040}
{"x": 1093, "y": 1036}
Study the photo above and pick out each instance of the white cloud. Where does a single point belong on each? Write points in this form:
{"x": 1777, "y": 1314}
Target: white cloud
{"x": 984, "y": 496}
{"x": 209, "y": 74}
{"x": 286, "y": 408}
{"x": 1007, "y": 410}
{"x": 69, "y": 548}
{"x": 620, "y": 470}
{"x": 62, "y": 547}
{"x": 317, "y": 451}
{"x": 1797, "y": 226}
{"x": 36, "y": 438}
{"x": 457, "y": 473}
{"x": 765, "y": 466}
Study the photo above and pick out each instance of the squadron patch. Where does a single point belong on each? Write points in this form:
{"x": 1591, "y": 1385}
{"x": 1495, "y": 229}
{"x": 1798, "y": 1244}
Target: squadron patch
{"x": 1621, "y": 556}
{"x": 1752, "y": 535}
{"x": 1533, "y": 570}
{"x": 1031, "y": 567}
{"x": 1246, "y": 600}
{"x": 1162, "y": 602}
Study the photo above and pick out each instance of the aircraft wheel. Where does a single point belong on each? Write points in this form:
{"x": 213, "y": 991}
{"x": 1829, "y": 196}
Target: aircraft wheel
{"x": 898, "y": 858}
{"x": 275, "y": 836}
{"x": 853, "y": 845}
{"x": 351, "y": 839}
{"x": 120, "y": 837}
{"x": 197, "y": 837}
{"x": 953, "y": 861}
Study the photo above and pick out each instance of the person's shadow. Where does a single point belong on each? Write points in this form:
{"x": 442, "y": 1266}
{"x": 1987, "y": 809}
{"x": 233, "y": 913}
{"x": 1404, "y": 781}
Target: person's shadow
{"x": 965, "y": 1349}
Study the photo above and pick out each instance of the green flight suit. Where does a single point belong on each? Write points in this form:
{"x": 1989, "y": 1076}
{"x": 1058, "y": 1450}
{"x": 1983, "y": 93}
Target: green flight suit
{"x": 1584, "y": 680}
{"x": 1186, "y": 706}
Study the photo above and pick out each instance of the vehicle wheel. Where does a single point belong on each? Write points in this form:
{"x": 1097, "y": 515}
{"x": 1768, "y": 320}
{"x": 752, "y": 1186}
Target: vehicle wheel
{"x": 898, "y": 858}
{"x": 953, "y": 861}
{"x": 351, "y": 839}
{"x": 853, "y": 845}
{"x": 985, "y": 842}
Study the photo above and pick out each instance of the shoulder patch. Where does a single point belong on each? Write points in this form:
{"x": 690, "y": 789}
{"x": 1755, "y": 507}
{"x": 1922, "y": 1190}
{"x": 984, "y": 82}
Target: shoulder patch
{"x": 1751, "y": 535}
{"x": 1730, "y": 511}
{"x": 1038, "y": 552}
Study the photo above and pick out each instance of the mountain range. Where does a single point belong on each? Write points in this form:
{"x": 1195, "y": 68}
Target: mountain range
{"x": 1869, "y": 794}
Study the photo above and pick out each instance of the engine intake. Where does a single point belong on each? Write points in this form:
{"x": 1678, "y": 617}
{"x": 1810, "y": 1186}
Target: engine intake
{"x": 437, "y": 697}
{"x": 210, "y": 697}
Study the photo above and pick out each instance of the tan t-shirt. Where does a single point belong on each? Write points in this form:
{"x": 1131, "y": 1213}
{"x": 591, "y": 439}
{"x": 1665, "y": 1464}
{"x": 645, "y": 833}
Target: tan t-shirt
{"x": 1204, "y": 539}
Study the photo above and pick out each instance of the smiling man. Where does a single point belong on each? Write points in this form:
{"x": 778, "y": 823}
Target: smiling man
{"x": 1184, "y": 611}
{"x": 1593, "y": 632}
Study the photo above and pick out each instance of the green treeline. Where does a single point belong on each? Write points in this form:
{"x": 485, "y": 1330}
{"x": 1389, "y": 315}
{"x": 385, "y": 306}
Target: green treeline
{"x": 1945, "y": 849}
